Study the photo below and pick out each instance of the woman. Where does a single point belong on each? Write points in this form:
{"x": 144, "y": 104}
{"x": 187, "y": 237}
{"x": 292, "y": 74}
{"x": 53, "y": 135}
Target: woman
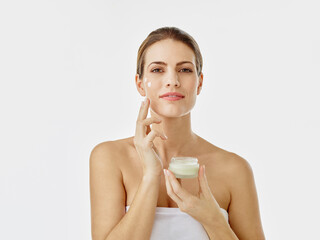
{"x": 134, "y": 196}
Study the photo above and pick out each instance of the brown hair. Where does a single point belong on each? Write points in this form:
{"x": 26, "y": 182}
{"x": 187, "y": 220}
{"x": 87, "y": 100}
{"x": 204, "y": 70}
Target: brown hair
{"x": 168, "y": 33}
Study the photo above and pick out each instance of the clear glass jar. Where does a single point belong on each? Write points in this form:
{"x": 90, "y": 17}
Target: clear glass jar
{"x": 184, "y": 167}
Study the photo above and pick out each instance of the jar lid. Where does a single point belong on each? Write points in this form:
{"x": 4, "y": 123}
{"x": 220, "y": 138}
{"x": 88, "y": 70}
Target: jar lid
{"x": 184, "y": 160}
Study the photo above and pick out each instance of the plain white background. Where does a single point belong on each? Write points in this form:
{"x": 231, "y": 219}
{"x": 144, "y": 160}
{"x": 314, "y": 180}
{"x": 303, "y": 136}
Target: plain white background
{"x": 67, "y": 83}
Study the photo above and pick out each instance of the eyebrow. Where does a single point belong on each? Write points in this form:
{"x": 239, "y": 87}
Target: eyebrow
{"x": 163, "y": 63}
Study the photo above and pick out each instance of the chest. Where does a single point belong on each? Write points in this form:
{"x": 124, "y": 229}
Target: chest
{"x": 132, "y": 175}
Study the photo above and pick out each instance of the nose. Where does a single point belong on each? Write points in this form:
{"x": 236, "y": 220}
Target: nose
{"x": 172, "y": 79}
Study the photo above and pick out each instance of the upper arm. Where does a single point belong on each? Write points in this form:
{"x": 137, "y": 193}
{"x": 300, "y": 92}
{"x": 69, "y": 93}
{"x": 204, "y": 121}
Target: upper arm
{"x": 107, "y": 193}
{"x": 244, "y": 214}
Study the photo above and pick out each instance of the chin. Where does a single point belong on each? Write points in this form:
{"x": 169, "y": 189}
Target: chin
{"x": 170, "y": 113}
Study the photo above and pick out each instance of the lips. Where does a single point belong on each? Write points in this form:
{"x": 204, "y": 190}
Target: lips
{"x": 172, "y": 95}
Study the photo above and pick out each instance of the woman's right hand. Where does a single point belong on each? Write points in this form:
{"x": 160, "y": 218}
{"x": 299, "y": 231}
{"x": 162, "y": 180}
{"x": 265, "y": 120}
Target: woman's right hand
{"x": 143, "y": 142}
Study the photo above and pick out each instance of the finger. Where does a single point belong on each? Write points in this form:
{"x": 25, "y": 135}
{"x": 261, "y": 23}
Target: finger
{"x": 170, "y": 191}
{"x": 156, "y": 150}
{"x": 151, "y": 120}
{"x": 147, "y": 122}
{"x": 153, "y": 134}
{"x": 176, "y": 187}
{"x": 143, "y": 112}
{"x": 142, "y": 125}
{"x": 203, "y": 182}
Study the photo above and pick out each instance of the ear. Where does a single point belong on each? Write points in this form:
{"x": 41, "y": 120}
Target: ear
{"x": 140, "y": 85}
{"x": 200, "y": 83}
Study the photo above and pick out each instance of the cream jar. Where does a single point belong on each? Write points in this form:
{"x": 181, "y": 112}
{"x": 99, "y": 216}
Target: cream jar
{"x": 184, "y": 167}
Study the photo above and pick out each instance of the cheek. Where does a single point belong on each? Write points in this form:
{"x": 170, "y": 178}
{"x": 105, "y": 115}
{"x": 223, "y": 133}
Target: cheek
{"x": 146, "y": 82}
{"x": 193, "y": 86}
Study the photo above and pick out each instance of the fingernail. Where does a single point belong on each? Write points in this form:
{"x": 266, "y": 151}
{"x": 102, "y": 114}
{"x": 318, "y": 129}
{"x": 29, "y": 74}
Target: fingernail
{"x": 164, "y": 172}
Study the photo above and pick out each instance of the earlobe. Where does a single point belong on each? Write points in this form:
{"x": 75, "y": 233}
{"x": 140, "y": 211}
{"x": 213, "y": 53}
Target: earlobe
{"x": 199, "y": 90}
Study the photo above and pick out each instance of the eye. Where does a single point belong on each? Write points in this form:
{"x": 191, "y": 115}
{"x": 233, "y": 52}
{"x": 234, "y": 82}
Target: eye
{"x": 153, "y": 70}
{"x": 186, "y": 70}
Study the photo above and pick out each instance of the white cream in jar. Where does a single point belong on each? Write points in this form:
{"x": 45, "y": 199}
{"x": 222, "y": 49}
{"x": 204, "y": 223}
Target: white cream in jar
{"x": 184, "y": 167}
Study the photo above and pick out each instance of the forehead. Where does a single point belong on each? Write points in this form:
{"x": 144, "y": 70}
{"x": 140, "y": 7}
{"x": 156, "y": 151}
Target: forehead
{"x": 170, "y": 51}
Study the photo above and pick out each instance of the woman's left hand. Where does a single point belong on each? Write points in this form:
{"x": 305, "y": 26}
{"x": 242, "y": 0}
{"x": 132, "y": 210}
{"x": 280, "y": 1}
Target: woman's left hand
{"x": 204, "y": 207}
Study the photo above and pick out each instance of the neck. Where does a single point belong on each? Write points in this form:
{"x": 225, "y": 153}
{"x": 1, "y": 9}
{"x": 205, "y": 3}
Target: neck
{"x": 179, "y": 133}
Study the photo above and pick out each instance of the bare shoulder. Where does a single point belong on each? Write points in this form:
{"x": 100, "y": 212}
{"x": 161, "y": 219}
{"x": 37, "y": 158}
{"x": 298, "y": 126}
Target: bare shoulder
{"x": 107, "y": 192}
{"x": 112, "y": 148}
{"x": 244, "y": 211}
{"x": 230, "y": 162}
{"x": 113, "y": 155}
{"x": 236, "y": 169}
{"x": 237, "y": 175}
{"x": 236, "y": 165}
{"x": 230, "y": 166}
{"x": 113, "y": 144}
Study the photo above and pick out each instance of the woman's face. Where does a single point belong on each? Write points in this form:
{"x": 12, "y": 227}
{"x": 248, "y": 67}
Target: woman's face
{"x": 170, "y": 66}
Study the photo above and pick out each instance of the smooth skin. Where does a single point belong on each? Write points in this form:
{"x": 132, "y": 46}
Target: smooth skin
{"x": 125, "y": 171}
